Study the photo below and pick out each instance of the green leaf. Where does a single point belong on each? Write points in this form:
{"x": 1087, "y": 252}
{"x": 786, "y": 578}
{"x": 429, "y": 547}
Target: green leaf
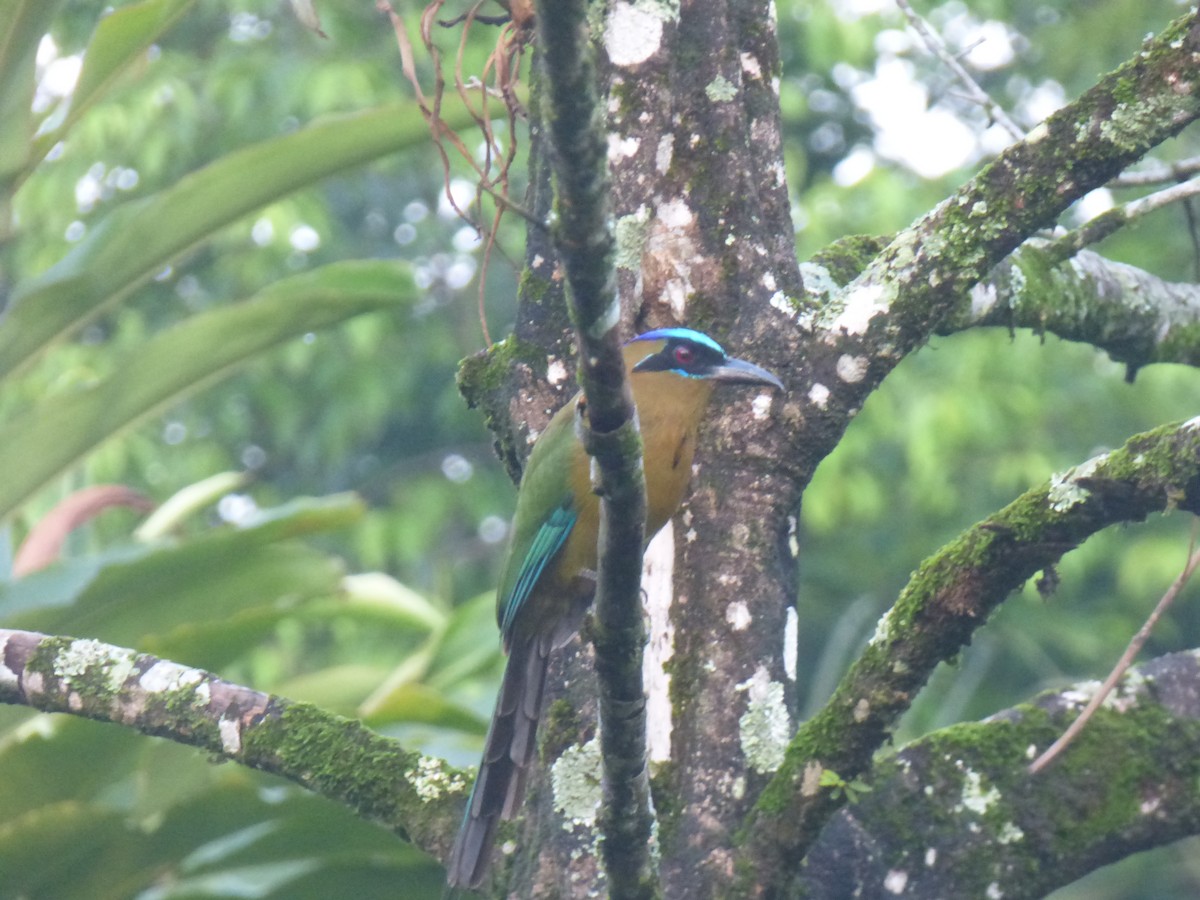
{"x": 81, "y": 839}
{"x": 419, "y": 703}
{"x": 22, "y": 24}
{"x": 51, "y": 759}
{"x": 392, "y": 600}
{"x": 469, "y": 644}
{"x": 46, "y": 441}
{"x": 139, "y": 238}
{"x": 149, "y": 591}
{"x": 172, "y": 512}
{"x": 121, "y": 39}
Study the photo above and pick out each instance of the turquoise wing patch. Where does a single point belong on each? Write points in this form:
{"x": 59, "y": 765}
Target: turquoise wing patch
{"x": 547, "y": 542}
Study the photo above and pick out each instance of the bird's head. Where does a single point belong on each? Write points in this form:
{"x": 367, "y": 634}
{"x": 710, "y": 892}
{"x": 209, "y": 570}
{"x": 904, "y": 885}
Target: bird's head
{"x": 682, "y": 351}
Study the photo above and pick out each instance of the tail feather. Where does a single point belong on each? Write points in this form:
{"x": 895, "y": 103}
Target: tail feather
{"x": 507, "y": 755}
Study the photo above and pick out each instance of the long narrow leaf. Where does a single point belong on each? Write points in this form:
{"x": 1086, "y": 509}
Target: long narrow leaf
{"x": 134, "y": 592}
{"x": 50, "y": 438}
{"x": 121, "y": 39}
{"x": 141, "y": 237}
{"x": 22, "y": 24}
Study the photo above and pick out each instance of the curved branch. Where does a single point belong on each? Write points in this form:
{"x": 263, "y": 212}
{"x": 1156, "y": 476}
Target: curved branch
{"x": 949, "y": 597}
{"x": 418, "y": 797}
{"x": 1131, "y": 782}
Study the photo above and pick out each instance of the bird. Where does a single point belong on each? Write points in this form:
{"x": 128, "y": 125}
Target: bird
{"x": 549, "y": 576}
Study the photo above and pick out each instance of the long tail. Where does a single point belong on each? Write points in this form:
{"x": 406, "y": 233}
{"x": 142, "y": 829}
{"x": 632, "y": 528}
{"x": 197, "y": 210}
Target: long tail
{"x": 507, "y": 754}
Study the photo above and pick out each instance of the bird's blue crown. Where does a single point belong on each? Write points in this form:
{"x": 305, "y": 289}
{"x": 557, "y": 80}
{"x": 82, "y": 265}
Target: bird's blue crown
{"x": 687, "y": 334}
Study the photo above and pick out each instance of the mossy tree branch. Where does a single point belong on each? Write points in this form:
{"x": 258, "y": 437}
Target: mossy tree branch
{"x": 910, "y": 289}
{"x": 418, "y": 797}
{"x": 950, "y": 596}
{"x": 1132, "y": 315}
{"x": 1131, "y": 782}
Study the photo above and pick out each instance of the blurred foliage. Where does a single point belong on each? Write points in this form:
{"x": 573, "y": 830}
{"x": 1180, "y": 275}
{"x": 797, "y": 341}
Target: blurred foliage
{"x": 256, "y": 585}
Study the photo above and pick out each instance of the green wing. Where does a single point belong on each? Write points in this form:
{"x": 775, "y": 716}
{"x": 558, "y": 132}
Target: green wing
{"x": 548, "y": 541}
{"x": 545, "y": 515}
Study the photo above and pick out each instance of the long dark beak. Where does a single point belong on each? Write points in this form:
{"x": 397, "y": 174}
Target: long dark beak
{"x": 738, "y": 371}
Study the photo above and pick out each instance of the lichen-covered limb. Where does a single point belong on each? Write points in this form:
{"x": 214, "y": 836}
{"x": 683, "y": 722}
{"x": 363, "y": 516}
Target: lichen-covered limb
{"x": 920, "y": 278}
{"x": 951, "y": 595}
{"x": 987, "y": 828}
{"x": 1134, "y": 316}
{"x": 418, "y": 797}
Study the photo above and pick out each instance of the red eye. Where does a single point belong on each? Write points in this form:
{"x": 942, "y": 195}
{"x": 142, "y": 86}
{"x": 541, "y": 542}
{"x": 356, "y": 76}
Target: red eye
{"x": 685, "y": 356}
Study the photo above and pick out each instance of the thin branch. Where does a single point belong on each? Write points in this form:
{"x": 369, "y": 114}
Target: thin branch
{"x": 418, "y": 797}
{"x": 1119, "y": 670}
{"x": 1160, "y": 173}
{"x": 1103, "y": 225}
{"x": 585, "y": 241}
{"x": 974, "y": 92}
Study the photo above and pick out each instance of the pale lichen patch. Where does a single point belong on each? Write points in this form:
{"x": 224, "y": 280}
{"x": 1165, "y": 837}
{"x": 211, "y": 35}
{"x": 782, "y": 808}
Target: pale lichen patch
{"x": 658, "y": 580}
{"x": 760, "y": 406}
{"x": 818, "y": 395}
{"x": 231, "y": 735}
{"x": 818, "y": 280}
{"x": 883, "y": 629}
{"x": 663, "y": 153}
{"x": 862, "y": 304}
{"x": 737, "y": 614}
{"x": 430, "y": 779}
{"x": 851, "y": 369}
{"x": 556, "y": 371}
{"x": 974, "y": 797}
{"x": 720, "y": 90}
{"x": 1066, "y": 491}
{"x": 632, "y": 35}
{"x": 791, "y": 645}
{"x": 575, "y": 781}
{"x": 765, "y": 726}
{"x": 631, "y": 232}
{"x": 1010, "y": 833}
{"x": 620, "y": 148}
{"x": 165, "y": 675}
{"x": 810, "y": 780}
{"x": 895, "y": 881}
{"x": 85, "y": 654}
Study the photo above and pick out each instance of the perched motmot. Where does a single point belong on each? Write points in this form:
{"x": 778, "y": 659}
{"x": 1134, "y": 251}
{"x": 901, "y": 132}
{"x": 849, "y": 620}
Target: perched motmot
{"x": 549, "y": 576}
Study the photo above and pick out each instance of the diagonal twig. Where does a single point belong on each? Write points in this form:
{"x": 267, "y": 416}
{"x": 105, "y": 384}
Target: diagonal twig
{"x": 975, "y": 93}
{"x": 1122, "y": 666}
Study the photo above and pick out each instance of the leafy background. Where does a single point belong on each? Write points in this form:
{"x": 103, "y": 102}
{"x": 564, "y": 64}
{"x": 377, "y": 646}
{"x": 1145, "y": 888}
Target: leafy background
{"x": 231, "y": 277}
